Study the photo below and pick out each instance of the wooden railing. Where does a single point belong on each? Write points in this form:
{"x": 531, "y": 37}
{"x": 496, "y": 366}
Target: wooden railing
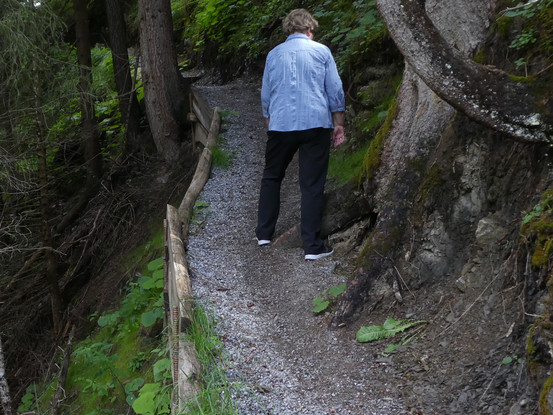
{"x": 179, "y": 300}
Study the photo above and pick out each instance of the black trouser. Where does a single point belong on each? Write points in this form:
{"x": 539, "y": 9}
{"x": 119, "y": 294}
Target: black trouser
{"x": 314, "y": 148}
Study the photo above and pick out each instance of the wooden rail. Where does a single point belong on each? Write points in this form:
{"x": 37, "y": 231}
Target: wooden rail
{"x": 200, "y": 116}
{"x": 179, "y": 300}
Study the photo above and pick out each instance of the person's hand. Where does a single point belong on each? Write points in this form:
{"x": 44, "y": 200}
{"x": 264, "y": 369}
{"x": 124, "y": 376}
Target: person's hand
{"x": 339, "y": 135}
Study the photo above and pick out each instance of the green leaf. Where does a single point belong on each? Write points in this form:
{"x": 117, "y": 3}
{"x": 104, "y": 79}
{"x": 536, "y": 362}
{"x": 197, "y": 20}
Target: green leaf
{"x": 155, "y": 264}
{"x": 130, "y": 399}
{"x": 158, "y": 275}
{"x": 317, "y": 300}
{"x": 145, "y": 403}
{"x": 507, "y": 360}
{"x": 149, "y": 318}
{"x": 147, "y": 284}
{"x": 162, "y": 369}
{"x": 390, "y": 349}
{"x": 134, "y": 385}
{"x": 108, "y": 319}
{"x": 321, "y": 306}
{"x": 390, "y": 328}
{"x": 391, "y": 324}
{"x": 337, "y": 290}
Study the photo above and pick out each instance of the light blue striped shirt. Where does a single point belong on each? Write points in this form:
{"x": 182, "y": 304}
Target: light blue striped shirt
{"x": 301, "y": 86}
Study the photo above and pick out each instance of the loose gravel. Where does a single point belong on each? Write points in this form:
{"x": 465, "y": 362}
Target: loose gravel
{"x": 282, "y": 358}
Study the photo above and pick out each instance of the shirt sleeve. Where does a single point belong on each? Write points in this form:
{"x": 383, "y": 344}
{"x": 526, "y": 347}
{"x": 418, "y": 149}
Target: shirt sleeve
{"x": 333, "y": 86}
{"x": 266, "y": 90}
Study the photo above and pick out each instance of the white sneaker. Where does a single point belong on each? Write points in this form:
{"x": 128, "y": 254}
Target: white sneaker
{"x": 263, "y": 242}
{"x": 326, "y": 251}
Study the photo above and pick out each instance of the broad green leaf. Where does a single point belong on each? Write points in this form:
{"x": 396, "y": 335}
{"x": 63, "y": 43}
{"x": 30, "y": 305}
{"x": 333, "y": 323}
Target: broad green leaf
{"x": 155, "y": 264}
{"x": 108, "y": 319}
{"x": 134, "y": 385}
{"x": 390, "y": 328}
{"x": 147, "y": 284}
{"x": 150, "y": 317}
{"x": 158, "y": 274}
{"x": 162, "y": 369}
{"x": 145, "y": 403}
{"x": 317, "y": 300}
{"x": 391, "y": 324}
{"x": 337, "y": 290}
{"x": 321, "y": 307}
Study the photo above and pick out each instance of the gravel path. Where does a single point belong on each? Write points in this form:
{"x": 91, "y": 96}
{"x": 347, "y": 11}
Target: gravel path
{"x": 284, "y": 357}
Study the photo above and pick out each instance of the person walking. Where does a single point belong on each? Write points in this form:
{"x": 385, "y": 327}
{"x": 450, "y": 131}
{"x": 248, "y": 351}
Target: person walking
{"x": 303, "y": 103}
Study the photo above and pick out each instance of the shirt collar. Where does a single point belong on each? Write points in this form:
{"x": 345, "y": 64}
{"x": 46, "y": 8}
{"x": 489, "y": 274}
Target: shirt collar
{"x": 297, "y": 36}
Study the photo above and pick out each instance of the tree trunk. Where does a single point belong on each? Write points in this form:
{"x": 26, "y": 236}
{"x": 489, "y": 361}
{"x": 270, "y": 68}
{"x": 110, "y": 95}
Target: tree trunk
{"x": 128, "y": 103}
{"x": 89, "y": 125}
{"x": 47, "y": 240}
{"x": 91, "y": 140}
{"x": 420, "y": 121}
{"x": 165, "y": 94}
{"x": 485, "y": 95}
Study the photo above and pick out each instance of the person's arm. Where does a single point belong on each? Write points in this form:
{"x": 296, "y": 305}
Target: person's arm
{"x": 337, "y": 102}
{"x": 338, "y": 120}
{"x": 266, "y": 92}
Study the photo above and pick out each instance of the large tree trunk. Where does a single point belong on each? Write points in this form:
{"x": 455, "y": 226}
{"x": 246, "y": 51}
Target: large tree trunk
{"x": 89, "y": 127}
{"x": 165, "y": 95}
{"x": 421, "y": 119}
{"x": 128, "y": 103}
{"x": 93, "y": 155}
{"x": 486, "y": 95}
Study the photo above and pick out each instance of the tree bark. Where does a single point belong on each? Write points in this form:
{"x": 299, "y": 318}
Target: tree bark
{"x": 90, "y": 136}
{"x": 165, "y": 94}
{"x": 47, "y": 240}
{"x": 485, "y": 95}
{"x": 420, "y": 121}
{"x": 128, "y": 103}
{"x": 89, "y": 126}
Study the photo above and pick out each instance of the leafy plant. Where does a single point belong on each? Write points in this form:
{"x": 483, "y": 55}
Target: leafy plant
{"x": 545, "y": 206}
{"x": 220, "y": 157}
{"x": 199, "y": 213}
{"x": 510, "y": 359}
{"x": 524, "y": 39}
{"x": 350, "y": 27}
{"x": 390, "y": 328}
{"x": 328, "y": 295}
{"x": 153, "y": 398}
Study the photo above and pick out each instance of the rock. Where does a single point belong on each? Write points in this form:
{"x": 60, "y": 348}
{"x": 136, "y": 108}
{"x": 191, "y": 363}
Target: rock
{"x": 489, "y": 231}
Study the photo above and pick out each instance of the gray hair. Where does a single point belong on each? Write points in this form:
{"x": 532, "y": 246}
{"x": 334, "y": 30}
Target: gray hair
{"x": 299, "y": 20}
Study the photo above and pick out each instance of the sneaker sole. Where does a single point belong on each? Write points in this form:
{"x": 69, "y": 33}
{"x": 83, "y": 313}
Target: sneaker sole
{"x": 263, "y": 242}
{"x": 314, "y": 257}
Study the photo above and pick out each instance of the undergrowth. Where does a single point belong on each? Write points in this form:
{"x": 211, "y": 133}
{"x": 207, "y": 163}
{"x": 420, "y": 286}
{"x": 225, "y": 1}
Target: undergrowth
{"x": 123, "y": 366}
{"x": 215, "y": 396}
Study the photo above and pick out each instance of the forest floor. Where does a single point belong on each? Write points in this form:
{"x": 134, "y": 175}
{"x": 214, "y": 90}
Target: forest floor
{"x": 284, "y": 359}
